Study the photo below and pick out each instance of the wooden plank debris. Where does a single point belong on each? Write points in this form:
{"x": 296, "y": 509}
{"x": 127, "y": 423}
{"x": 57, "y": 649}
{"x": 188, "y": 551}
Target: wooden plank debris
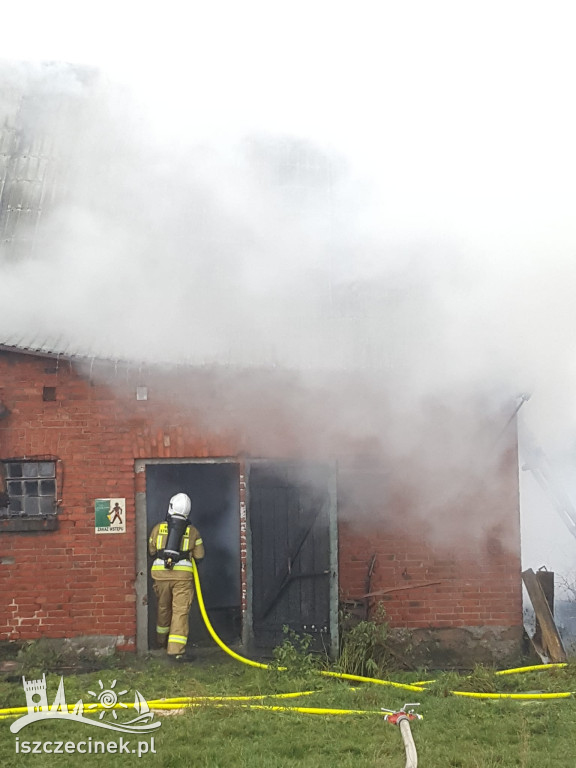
{"x": 551, "y": 642}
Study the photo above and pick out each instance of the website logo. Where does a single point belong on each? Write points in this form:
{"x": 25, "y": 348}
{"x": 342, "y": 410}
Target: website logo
{"x": 106, "y": 701}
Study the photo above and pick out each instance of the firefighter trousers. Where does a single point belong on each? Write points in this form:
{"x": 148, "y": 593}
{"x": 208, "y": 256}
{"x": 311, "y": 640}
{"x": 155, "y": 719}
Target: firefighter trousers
{"x": 174, "y": 600}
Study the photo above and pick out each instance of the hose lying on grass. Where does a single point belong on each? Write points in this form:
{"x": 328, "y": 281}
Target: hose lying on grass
{"x": 181, "y": 702}
{"x": 260, "y": 665}
{"x": 418, "y": 687}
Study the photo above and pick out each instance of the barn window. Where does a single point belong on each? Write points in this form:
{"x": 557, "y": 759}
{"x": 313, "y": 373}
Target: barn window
{"x": 30, "y": 488}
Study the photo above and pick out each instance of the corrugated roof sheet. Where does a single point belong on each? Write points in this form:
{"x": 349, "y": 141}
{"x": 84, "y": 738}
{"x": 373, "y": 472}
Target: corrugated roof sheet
{"x": 54, "y": 347}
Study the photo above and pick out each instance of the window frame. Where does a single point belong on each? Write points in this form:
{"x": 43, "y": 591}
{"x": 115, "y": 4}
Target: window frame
{"x": 36, "y": 499}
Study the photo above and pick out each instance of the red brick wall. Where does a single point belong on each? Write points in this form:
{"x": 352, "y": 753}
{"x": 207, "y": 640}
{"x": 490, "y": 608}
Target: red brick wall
{"x": 455, "y": 565}
{"x": 476, "y": 586}
{"x": 68, "y": 582}
{"x": 72, "y": 582}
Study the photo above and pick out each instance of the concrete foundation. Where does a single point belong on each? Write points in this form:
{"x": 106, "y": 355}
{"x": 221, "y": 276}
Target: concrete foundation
{"x": 459, "y": 647}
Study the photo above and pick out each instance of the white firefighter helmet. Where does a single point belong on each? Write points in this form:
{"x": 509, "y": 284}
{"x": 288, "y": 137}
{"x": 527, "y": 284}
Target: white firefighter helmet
{"x": 180, "y": 505}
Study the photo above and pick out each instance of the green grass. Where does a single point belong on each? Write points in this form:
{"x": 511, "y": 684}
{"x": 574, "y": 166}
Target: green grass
{"x": 455, "y": 732}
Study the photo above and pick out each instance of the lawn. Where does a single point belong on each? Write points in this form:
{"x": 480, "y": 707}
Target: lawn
{"x": 455, "y": 732}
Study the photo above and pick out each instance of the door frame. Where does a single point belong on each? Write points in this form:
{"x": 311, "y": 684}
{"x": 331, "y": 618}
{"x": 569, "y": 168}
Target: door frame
{"x": 141, "y": 583}
{"x": 247, "y": 627}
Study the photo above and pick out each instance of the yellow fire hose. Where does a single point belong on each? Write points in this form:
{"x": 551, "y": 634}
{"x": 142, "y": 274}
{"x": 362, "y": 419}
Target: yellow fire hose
{"x": 244, "y": 660}
{"x": 197, "y": 701}
{"x": 305, "y": 710}
{"x": 178, "y": 701}
{"x": 534, "y": 668}
{"x": 519, "y": 696}
{"x": 515, "y": 671}
{"x": 166, "y": 704}
{"x": 418, "y": 687}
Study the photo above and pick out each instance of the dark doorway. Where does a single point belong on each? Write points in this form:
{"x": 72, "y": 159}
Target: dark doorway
{"x": 289, "y": 506}
{"x": 214, "y": 490}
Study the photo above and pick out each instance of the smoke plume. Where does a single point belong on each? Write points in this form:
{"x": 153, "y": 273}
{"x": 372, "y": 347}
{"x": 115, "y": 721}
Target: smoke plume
{"x": 406, "y": 338}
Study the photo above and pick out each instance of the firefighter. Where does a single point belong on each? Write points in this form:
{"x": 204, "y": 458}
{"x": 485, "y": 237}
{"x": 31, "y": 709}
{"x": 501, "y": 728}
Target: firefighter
{"x": 173, "y": 544}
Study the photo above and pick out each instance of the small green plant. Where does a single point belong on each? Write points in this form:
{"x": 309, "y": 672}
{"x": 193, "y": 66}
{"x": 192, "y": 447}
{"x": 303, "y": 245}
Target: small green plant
{"x": 294, "y": 653}
{"x": 444, "y": 684}
{"x": 364, "y": 646}
{"x": 483, "y": 680}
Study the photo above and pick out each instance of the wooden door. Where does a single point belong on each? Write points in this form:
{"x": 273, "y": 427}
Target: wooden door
{"x": 292, "y": 577}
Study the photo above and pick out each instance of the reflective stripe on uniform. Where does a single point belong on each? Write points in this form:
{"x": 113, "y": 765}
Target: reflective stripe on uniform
{"x": 181, "y": 639}
{"x": 181, "y": 565}
{"x": 162, "y": 630}
{"x": 198, "y": 542}
{"x": 162, "y": 531}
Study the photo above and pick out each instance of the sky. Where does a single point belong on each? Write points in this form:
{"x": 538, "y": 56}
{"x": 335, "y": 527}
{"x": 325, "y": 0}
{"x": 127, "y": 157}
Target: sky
{"x": 455, "y": 122}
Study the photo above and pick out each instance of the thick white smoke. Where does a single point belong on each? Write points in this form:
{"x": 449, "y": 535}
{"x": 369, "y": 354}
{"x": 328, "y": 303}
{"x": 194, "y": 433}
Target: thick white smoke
{"x": 414, "y": 266}
{"x": 265, "y": 252}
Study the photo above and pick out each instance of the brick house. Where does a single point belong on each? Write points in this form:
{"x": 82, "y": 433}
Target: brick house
{"x": 296, "y": 528}
{"x": 310, "y": 492}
